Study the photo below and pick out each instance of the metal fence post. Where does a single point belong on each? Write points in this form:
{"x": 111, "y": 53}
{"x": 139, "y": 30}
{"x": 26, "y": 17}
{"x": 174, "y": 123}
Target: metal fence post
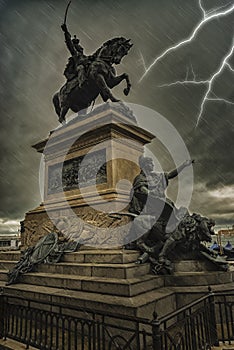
{"x": 213, "y": 326}
{"x": 193, "y": 332}
{"x": 156, "y": 332}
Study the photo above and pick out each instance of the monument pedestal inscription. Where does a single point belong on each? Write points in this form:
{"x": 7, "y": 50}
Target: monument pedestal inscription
{"x": 90, "y": 164}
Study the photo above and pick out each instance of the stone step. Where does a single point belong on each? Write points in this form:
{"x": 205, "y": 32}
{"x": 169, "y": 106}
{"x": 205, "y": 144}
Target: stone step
{"x": 163, "y": 299}
{"x": 10, "y": 344}
{"x": 112, "y": 286}
{"x": 114, "y": 256}
{"x": 12, "y": 255}
{"x": 193, "y": 266}
{"x": 3, "y": 275}
{"x": 129, "y": 270}
{"x": 224, "y": 346}
{"x": 199, "y": 278}
{"x": 7, "y": 264}
{"x": 188, "y": 294}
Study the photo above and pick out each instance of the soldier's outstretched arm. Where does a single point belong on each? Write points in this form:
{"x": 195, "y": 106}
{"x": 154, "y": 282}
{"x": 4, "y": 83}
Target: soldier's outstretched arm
{"x": 68, "y": 39}
{"x": 176, "y": 171}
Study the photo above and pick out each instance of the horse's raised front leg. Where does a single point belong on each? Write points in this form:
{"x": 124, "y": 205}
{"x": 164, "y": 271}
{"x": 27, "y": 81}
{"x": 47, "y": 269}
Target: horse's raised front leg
{"x": 114, "y": 81}
{"x": 63, "y": 112}
{"x": 127, "y": 89}
{"x": 104, "y": 90}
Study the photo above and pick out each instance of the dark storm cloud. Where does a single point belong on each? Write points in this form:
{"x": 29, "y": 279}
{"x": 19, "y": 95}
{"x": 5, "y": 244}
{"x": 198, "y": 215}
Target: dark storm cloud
{"x": 33, "y": 56}
{"x": 217, "y": 204}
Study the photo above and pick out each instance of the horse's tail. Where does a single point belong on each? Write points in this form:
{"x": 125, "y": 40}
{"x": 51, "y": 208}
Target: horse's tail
{"x": 56, "y": 104}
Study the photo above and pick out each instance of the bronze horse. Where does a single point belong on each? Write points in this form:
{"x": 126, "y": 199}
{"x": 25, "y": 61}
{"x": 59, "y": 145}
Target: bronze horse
{"x": 100, "y": 78}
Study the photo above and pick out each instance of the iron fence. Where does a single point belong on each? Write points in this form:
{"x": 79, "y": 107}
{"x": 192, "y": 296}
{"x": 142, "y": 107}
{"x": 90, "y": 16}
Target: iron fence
{"x": 55, "y": 326}
{"x": 192, "y": 327}
{"x": 224, "y": 306}
{"x": 48, "y": 326}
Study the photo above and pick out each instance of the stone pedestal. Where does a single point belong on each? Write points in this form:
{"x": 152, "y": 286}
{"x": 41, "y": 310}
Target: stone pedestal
{"x": 90, "y": 164}
{"x": 109, "y": 280}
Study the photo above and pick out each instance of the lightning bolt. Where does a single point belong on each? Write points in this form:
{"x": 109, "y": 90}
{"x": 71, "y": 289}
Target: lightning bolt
{"x": 208, "y": 83}
{"x": 230, "y": 67}
{"x": 207, "y": 16}
{"x": 205, "y": 13}
{"x": 220, "y": 100}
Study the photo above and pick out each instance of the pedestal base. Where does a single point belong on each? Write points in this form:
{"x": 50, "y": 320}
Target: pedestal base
{"x": 110, "y": 280}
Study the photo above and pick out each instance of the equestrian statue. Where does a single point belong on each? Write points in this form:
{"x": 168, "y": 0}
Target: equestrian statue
{"x": 89, "y": 76}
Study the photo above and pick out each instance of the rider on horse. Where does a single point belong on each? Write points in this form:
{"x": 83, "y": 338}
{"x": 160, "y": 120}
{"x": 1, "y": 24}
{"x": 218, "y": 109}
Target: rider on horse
{"x": 89, "y": 76}
{"x": 75, "y": 70}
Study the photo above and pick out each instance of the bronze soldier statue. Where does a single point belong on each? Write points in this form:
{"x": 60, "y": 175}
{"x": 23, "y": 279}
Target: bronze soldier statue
{"x": 151, "y": 184}
{"x": 150, "y": 206}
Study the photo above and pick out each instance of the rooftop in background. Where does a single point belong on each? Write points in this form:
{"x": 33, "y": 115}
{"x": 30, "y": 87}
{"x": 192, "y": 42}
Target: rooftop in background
{"x": 9, "y": 241}
{"x": 9, "y": 234}
{"x": 224, "y": 228}
{"x": 229, "y": 231}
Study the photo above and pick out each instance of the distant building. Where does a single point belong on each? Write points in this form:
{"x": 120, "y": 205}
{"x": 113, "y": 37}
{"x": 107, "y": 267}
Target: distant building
{"x": 9, "y": 241}
{"x": 227, "y": 231}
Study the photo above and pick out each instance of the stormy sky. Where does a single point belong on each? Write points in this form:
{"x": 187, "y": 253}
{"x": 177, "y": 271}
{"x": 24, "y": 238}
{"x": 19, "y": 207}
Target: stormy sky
{"x": 32, "y": 60}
